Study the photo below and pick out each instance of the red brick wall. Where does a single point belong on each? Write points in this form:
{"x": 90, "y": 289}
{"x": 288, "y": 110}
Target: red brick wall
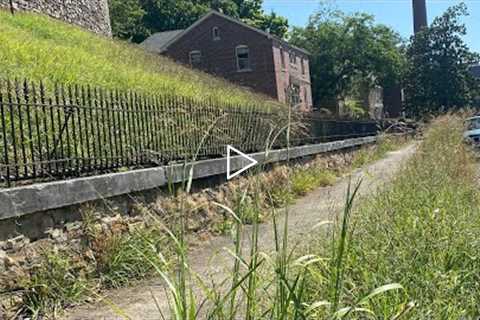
{"x": 285, "y": 72}
{"x": 219, "y": 57}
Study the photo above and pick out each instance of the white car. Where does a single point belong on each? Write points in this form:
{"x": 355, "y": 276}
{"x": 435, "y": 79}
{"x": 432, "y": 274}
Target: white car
{"x": 472, "y": 134}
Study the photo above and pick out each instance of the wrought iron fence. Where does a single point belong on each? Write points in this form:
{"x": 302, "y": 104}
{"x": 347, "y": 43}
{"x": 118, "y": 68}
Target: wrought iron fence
{"x": 54, "y": 133}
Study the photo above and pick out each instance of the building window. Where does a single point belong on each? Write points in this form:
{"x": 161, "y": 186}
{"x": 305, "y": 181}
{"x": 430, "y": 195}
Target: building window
{"x": 282, "y": 57}
{"x": 294, "y": 93}
{"x": 243, "y": 58}
{"x": 195, "y": 57}
{"x": 305, "y": 96}
{"x": 216, "y": 33}
{"x": 293, "y": 58}
{"x": 303, "y": 66}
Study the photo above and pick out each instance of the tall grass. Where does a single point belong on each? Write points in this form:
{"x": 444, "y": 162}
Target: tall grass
{"x": 422, "y": 232}
{"x": 265, "y": 285}
{"x": 260, "y": 284}
{"x": 40, "y": 48}
{"x": 410, "y": 251}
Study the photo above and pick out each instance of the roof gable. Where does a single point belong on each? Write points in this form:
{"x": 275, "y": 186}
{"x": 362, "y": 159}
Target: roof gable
{"x": 213, "y": 12}
{"x": 158, "y": 42}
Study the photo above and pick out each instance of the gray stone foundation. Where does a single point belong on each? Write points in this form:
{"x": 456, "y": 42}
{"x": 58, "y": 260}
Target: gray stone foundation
{"x": 92, "y": 15}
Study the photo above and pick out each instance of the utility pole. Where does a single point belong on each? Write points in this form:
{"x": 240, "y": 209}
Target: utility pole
{"x": 419, "y": 15}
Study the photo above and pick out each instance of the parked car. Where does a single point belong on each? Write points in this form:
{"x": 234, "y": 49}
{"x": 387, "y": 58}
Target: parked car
{"x": 472, "y": 133}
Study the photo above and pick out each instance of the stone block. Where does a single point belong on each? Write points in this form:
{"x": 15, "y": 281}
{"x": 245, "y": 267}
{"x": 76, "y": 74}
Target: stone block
{"x": 20, "y": 201}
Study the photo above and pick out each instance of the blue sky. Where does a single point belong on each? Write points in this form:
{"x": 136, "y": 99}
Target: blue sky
{"x": 395, "y": 13}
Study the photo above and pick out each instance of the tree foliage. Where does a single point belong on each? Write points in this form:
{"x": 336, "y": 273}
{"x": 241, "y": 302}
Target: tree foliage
{"x": 126, "y": 16}
{"x": 137, "y": 19}
{"x": 438, "y": 76}
{"x": 345, "y": 48}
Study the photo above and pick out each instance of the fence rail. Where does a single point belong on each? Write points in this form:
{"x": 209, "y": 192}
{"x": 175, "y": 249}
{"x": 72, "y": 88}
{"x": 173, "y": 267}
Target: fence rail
{"x": 62, "y": 131}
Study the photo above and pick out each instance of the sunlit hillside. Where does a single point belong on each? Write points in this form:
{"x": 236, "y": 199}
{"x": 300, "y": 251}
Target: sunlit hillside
{"x": 39, "y": 48}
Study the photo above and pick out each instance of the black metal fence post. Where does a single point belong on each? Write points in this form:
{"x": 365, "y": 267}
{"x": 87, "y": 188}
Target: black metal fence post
{"x": 58, "y": 131}
{"x": 12, "y": 8}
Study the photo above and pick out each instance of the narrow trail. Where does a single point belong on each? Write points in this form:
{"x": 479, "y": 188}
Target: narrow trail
{"x": 211, "y": 261}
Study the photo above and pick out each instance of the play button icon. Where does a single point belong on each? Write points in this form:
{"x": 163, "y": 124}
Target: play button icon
{"x": 246, "y": 162}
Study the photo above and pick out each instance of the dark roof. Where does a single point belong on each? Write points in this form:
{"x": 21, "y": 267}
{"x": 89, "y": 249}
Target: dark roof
{"x": 476, "y": 71}
{"x": 158, "y": 42}
{"x": 174, "y": 35}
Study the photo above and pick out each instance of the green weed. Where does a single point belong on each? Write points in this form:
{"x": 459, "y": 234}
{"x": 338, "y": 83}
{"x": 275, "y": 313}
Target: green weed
{"x": 306, "y": 180}
{"x": 384, "y": 145}
{"x": 56, "y": 283}
{"x": 121, "y": 257}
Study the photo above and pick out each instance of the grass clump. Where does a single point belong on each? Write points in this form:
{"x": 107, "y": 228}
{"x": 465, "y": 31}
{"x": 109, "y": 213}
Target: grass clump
{"x": 40, "y": 48}
{"x": 422, "y": 233}
{"x": 384, "y": 145}
{"x": 306, "y": 180}
{"x": 110, "y": 258}
{"x": 121, "y": 258}
{"x": 55, "y": 284}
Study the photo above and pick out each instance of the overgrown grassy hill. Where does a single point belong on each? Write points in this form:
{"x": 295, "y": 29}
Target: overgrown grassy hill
{"x": 37, "y": 47}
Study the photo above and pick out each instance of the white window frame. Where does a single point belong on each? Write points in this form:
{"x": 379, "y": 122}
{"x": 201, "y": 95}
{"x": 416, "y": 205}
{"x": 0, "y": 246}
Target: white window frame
{"x": 191, "y": 53}
{"x": 215, "y": 33}
{"x": 249, "y": 67}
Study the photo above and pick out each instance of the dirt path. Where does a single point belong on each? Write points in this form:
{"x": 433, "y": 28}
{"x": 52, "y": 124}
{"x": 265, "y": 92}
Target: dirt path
{"x": 211, "y": 260}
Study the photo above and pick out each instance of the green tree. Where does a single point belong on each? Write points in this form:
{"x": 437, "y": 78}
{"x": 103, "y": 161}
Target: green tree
{"x": 345, "y": 48}
{"x": 126, "y": 17}
{"x": 438, "y": 77}
{"x": 273, "y": 24}
{"x": 136, "y": 19}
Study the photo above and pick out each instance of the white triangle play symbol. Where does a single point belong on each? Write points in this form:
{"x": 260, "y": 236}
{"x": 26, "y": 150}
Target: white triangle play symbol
{"x": 252, "y": 162}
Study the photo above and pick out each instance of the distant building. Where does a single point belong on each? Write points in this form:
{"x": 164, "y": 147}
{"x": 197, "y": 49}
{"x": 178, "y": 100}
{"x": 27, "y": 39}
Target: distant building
{"x": 226, "y": 47}
{"x": 476, "y": 71}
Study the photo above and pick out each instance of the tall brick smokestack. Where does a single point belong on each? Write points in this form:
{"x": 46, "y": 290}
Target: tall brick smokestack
{"x": 419, "y": 15}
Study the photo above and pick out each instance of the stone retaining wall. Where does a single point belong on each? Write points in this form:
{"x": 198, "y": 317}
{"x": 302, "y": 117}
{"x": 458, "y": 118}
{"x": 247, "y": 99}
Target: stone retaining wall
{"x": 92, "y": 15}
{"x": 21, "y": 201}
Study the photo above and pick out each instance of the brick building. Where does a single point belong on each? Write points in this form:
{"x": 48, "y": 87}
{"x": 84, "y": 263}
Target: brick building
{"x": 226, "y": 47}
